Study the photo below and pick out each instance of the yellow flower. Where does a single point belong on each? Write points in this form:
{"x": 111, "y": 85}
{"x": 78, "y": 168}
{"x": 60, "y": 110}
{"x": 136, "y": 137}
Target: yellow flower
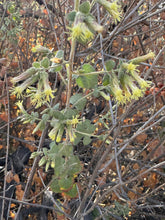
{"x": 53, "y": 133}
{"x": 114, "y": 11}
{"x": 87, "y": 34}
{"x": 127, "y": 94}
{"x": 48, "y": 92}
{"x": 73, "y": 121}
{"x": 119, "y": 95}
{"x": 128, "y": 84}
{"x": 37, "y": 99}
{"x": 20, "y": 106}
{"x": 113, "y": 8}
{"x": 130, "y": 67}
{"x": 17, "y": 91}
{"x": 81, "y": 32}
{"x": 144, "y": 84}
{"x": 136, "y": 92}
{"x": 76, "y": 31}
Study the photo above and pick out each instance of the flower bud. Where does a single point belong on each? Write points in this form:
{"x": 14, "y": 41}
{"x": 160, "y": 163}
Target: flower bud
{"x": 140, "y": 59}
{"x": 71, "y": 133}
{"x": 53, "y": 133}
{"x": 28, "y": 73}
{"x": 116, "y": 90}
{"x": 42, "y": 161}
{"x": 60, "y": 133}
{"x": 40, "y": 49}
{"x": 93, "y": 25}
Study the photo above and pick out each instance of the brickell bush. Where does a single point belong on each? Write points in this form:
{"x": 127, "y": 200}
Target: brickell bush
{"x": 100, "y": 187}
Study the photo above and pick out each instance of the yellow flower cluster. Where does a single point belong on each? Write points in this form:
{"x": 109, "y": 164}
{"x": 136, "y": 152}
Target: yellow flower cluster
{"x": 81, "y": 32}
{"x": 130, "y": 85}
{"x": 39, "y": 95}
{"x": 113, "y": 8}
{"x": 84, "y": 28}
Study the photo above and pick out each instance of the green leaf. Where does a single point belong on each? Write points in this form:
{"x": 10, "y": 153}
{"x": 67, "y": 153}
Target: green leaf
{"x": 96, "y": 93}
{"x": 70, "y": 114}
{"x": 54, "y": 148}
{"x": 78, "y": 138}
{"x": 87, "y": 140}
{"x": 55, "y": 186}
{"x": 71, "y": 16}
{"x": 58, "y": 115}
{"x": 73, "y": 192}
{"x": 85, "y": 7}
{"x": 45, "y": 117}
{"x": 65, "y": 183}
{"x": 60, "y": 54}
{"x": 45, "y": 62}
{"x": 56, "y": 68}
{"x": 106, "y": 79}
{"x": 110, "y": 64}
{"x": 36, "y": 65}
{"x": 80, "y": 105}
{"x": 65, "y": 150}
{"x": 59, "y": 165}
{"x": 45, "y": 151}
{"x": 86, "y": 127}
{"x": 73, "y": 165}
{"x": 89, "y": 81}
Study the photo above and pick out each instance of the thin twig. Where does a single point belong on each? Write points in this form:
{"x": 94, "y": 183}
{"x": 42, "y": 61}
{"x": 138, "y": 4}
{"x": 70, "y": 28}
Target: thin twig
{"x": 161, "y": 164}
{"x": 33, "y": 170}
{"x": 7, "y": 147}
{"x": 155, "y": 61}
{"x": 51, "y": 22}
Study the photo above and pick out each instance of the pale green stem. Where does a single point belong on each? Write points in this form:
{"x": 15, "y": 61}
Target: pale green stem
{"x": 71, "y": 59}
{"x": 91, "y": 73}
{"x": 93, "y": 2}
{"x": 70, "y": 70}
{"x": 76, "y": 4}
{"x": 64, "y": 81}
{"x": 86, "y": 134}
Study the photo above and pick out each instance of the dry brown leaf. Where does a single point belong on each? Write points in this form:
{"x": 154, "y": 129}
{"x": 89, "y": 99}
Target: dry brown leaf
{"x": 141, "y": 138}
{"x": 151, "y": 181}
